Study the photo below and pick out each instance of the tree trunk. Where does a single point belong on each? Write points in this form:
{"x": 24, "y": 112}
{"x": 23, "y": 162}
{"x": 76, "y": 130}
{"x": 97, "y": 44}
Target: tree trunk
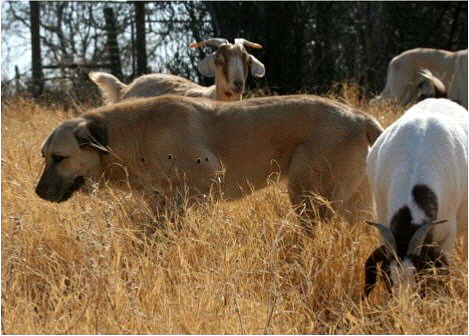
{"x": 112, "y": 46}
{"x": 38, "y": 76}
{"x": 140, "y": 42}
{"x": 449, "y": 45}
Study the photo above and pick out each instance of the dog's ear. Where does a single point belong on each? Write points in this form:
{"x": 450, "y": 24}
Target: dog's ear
{"x": 90, "y": 131}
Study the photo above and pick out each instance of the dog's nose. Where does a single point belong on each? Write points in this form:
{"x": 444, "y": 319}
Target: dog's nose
{"x": 41, "y": 190}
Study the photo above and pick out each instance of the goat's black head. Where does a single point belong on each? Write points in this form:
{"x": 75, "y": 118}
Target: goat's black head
{"x": 407, "y": 252}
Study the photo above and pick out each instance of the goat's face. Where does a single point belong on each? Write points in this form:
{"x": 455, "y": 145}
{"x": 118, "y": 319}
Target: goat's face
{"x": 230, "y": 65}
{"x": 398, "y": 272}
{"x": 408, "y": 251}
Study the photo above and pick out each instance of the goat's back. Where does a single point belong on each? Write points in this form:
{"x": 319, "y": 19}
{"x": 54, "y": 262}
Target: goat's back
{"x": 159, "y": 84}
{"x": 426, "y": 146}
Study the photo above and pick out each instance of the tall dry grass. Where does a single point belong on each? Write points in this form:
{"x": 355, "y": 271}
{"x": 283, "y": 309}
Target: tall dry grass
{"x": 96, "y": 264}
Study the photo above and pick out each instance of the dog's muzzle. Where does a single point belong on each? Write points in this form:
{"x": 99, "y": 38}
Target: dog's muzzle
{"x": 58, "y": 192}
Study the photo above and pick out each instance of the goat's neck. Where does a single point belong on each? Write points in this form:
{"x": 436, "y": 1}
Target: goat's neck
{"x": 224, "y": 95}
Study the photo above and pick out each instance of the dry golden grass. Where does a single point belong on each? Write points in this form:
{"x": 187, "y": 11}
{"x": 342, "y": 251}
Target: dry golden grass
{"x": 94, "y": 264}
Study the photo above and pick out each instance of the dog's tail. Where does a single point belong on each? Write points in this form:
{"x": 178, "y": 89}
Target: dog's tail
{"x": 109, "y": 86}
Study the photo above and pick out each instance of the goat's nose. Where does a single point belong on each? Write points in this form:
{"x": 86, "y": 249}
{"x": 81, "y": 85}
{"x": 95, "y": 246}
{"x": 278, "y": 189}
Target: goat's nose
{"x": 239, "y": 84}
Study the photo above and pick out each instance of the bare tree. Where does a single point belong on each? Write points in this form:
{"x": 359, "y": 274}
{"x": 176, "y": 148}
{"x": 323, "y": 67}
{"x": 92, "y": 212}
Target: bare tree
{"x": 140, "y": 45}
{"x": 36, "y": 48}
{"x": 308, "y": 46}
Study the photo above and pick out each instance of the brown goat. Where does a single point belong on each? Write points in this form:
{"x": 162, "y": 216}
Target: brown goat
{"x": 229, "y": 64}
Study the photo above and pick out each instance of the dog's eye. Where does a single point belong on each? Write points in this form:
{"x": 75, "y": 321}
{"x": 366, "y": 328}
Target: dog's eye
{"x": 57, "y": 158}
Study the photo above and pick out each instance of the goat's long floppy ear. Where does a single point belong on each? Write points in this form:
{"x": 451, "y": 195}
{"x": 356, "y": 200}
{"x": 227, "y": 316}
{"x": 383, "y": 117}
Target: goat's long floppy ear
{"x": 207, "y": 66}
{"x": 91, "y": 132}
{"x": 257, "y": 68}
{"x": 371, "y": 269}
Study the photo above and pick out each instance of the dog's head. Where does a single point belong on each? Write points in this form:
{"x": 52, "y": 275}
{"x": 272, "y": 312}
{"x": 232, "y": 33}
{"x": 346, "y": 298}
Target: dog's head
{"x": 71, "y": 153}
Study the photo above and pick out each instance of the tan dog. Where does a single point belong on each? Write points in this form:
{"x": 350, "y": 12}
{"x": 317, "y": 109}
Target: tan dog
{"x": 170, "y": 142}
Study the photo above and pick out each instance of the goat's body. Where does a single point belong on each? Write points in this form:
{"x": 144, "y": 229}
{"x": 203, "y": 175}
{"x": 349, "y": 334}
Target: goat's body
{"x": 229, "y": 64}
{"x": 151, "y": 85}
{"x": 427, "y": 146}
{"x": 158, "y": 84}
{"x": 403, "y": 72}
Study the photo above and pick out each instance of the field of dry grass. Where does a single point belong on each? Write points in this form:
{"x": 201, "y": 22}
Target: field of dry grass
{"x": 94, "y": 264}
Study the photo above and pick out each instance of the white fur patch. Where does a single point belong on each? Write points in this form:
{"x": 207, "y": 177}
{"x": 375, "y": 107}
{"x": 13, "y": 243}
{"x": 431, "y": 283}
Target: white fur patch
{"x": 402, "y": 273}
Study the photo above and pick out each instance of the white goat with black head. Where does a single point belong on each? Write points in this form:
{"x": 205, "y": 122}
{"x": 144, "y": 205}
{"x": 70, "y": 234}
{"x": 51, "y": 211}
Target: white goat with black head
{"x": 418, "y": 173}
{"x": 229, "y": 64}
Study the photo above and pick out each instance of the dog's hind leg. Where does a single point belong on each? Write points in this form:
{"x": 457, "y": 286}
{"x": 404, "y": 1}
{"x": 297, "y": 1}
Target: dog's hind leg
{"x": 322, "y": 180}
{"x": 306, "y": 189}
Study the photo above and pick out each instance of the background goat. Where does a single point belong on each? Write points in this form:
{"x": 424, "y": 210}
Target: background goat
{"x": 429, "y": 86}
{"x": 229, "y": 64}
{"x": 404, "y": 72}
{"x": 418, "y": 173}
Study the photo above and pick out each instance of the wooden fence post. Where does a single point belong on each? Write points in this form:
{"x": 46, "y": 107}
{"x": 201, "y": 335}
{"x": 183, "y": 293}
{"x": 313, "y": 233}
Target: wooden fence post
{"x": 17, "y": 80}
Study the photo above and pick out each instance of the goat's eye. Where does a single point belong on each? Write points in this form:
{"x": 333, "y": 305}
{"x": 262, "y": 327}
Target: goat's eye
{"x": 57, "y": 158}
{"x": 219, "y": 60}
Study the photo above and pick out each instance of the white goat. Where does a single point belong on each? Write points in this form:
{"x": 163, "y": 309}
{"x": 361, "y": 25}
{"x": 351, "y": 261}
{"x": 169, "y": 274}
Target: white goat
{"x": 403, "y": 74}
{"x": 229, "y": 64}
{"x": 418, "y": 174}
{"x": 429, "y": 86}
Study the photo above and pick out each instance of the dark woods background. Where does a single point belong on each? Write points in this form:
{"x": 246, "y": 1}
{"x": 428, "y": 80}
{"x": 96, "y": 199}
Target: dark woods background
{"x": 308, "y": 46}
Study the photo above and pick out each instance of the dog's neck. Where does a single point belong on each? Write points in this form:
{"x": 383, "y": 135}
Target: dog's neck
{"x": 123, "y": 171}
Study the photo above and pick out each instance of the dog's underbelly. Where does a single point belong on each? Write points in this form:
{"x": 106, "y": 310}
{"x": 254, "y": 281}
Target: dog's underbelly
{"x": 250, "y": 173}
